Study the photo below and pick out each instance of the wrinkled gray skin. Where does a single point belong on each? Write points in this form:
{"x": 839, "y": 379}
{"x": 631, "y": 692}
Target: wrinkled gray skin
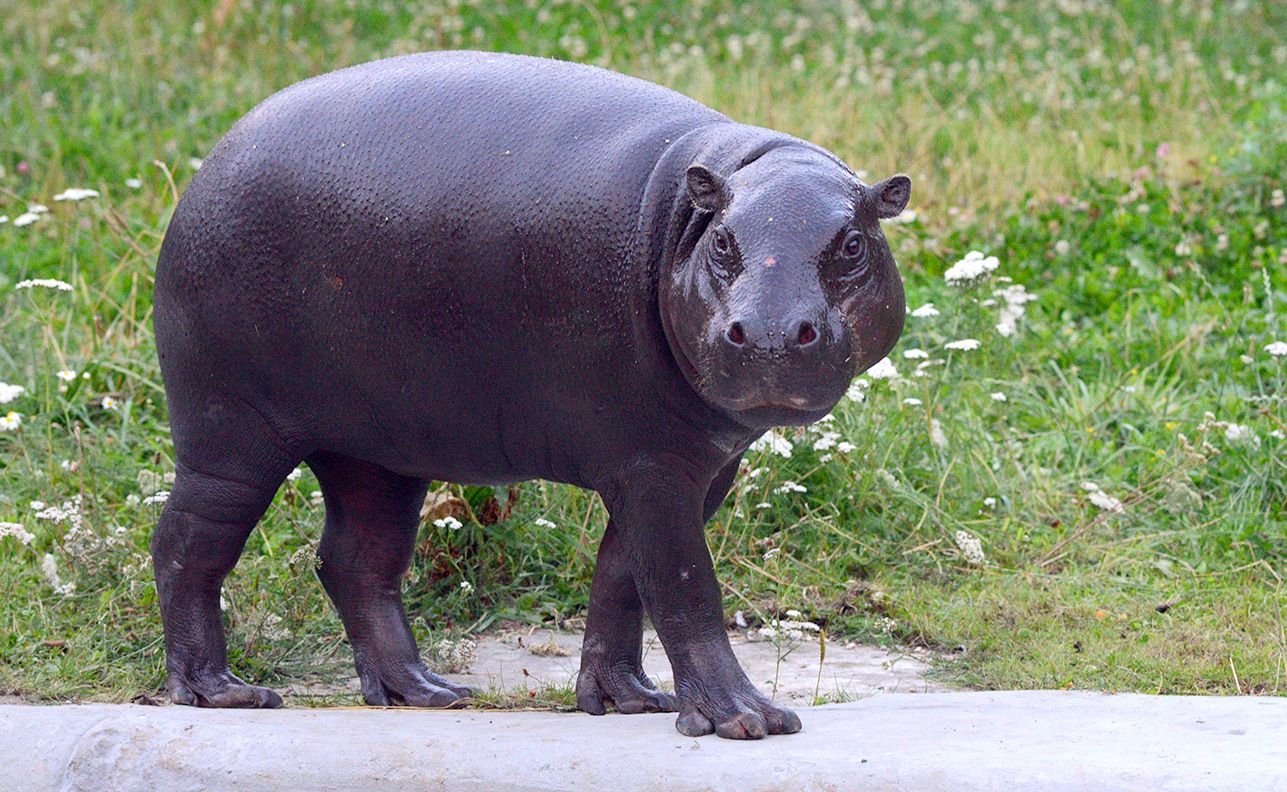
{"x": 487, "y": 268}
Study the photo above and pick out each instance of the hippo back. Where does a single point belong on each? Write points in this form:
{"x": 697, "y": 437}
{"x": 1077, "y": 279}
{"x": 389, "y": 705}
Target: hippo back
{"x": 443, "y": 234}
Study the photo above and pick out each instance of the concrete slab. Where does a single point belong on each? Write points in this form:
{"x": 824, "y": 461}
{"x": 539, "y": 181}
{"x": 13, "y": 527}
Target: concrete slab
{"x": 959, "y": 741}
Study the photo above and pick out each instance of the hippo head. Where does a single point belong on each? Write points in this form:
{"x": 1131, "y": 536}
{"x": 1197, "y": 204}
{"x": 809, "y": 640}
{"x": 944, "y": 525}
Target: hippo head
{"x": 783, "y": 288}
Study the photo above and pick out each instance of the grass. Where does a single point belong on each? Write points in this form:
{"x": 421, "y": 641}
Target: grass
{"x": 1120, "y": 160}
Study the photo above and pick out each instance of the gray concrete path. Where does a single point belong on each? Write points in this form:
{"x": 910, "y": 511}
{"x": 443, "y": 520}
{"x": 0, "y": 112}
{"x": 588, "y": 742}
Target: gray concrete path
{"x": 951, "y": 741}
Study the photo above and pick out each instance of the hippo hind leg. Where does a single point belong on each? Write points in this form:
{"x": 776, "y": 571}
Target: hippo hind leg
{"x": 372, "y": 516}
{"x": 200, "y": 535}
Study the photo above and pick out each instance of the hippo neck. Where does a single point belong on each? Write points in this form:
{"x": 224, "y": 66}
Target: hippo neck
{"x": 666, "y": 221}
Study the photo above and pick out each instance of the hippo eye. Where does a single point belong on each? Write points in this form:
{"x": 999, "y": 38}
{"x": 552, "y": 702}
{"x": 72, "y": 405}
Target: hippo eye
{"x": 721, "y": 242}
{"x": 853, "y": 245}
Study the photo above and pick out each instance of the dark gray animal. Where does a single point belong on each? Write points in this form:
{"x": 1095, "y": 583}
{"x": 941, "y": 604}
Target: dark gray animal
{"x": 489, "y": 268}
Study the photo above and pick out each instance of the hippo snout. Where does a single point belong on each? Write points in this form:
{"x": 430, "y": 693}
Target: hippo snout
{"x": 798, "y": 359}
{"x": 797, "y": 334}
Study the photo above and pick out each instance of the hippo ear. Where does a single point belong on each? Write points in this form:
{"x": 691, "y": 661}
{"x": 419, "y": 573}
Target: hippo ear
{"x": 892, "y": 195}
{"x": 706, "y": 190}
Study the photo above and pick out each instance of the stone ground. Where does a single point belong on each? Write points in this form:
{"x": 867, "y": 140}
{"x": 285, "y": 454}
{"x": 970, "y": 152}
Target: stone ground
{"x": 529, "y": 659}
{"x": 1030, "y": 740}
{"x": 1045, "y": 740}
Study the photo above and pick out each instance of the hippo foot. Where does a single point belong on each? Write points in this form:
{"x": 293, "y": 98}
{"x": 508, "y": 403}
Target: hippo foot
{"x": 737, "y": 711}
{"x": 628, "y": 690}
{"x": 221, "y": 689}
{"x": 413, "y": 685}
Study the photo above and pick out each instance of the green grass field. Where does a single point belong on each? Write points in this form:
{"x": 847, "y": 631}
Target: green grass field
{"x": 1095, "y": 498}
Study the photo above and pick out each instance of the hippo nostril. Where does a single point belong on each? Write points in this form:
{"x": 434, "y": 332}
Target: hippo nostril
{"x": 807, "y": 334}
{"x": 736, "y": 334}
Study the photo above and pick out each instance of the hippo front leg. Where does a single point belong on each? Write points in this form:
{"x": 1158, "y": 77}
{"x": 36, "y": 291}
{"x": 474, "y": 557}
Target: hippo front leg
{"x": 659, "y": 510}
{"x": 612, "y": 651}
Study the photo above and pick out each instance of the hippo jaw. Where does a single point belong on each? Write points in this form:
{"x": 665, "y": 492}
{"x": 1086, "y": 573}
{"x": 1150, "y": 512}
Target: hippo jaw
{"x": 785, "y": 289}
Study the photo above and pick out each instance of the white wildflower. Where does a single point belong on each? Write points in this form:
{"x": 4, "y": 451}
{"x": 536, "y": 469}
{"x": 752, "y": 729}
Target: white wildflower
{"x": 67, "y": 375}
{"x": 790, "y": 486}
{"x": 76, "y": 194}
{"x": 17, "y": 531}
{"x": 1277, "y": 348}
{"x": 273, "y": 629}
{"x": 156, "y": 498}
{"x": 44, "y": 283}
{"x": 316, "y": 497}
{"x": 49, "y": 567}
{"x": 773, "y": 442}
{"x": 449, "y": 522}
{"x": 1016, "y": 297}
{"x": 1278, "y": 434}
{"x": 1184, "y": 248}
{"x": 1105, "y": 501}
{"x": 846, "y": 447}
{"x": 971, "y": 269}
{"x": 466, "y": 586}
{"x": 10, "y": 392}
{"x": 909, "y": 215}
{"x": 990, "y": 502}
{"x": 768, "y": 633}
{"x": 38, "y": 209}
{"x": 795, "y": 628}
{"x": 998, "y": 396}
{"x": 544, "y": 523}
{"x": 971, "y": 548}
{"x": 1277, "y": 199}
{"x": 926, "y": 311}
{"x": 937, "y": 436}
{"x": 134, "y": 184}
{"x": 965, "y": 344}
{"x": 194, "y": 163}
{"x": 10, "y": 421}
{"x": 915, "y": 354}
{"x": 890, "y": 480}
{"x": 1238, "y": 433}
{"x": 883, "y": 370}
{"x": 827, "y": 441}
{"x": 133, "y": 499}
{"x": 1062, "y": 247}
{"x": 149, "y": 481}
{"x": 294, "y": 475}
{"x": 912, "y": 402}
{"x": 109, "y": 403}
{"x": 25, "y": 219}
{"x": 36, "y": 505}
{"x": 763, "y": 505}
{"x": 4, "y": 219}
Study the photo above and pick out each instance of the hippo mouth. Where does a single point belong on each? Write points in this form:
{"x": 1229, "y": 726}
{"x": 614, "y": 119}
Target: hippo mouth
{"x": 771, "y": 409}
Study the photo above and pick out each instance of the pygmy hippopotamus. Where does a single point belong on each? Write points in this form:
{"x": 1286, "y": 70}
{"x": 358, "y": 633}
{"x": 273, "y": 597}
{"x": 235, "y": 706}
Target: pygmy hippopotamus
{"x": 487, "y": 268}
